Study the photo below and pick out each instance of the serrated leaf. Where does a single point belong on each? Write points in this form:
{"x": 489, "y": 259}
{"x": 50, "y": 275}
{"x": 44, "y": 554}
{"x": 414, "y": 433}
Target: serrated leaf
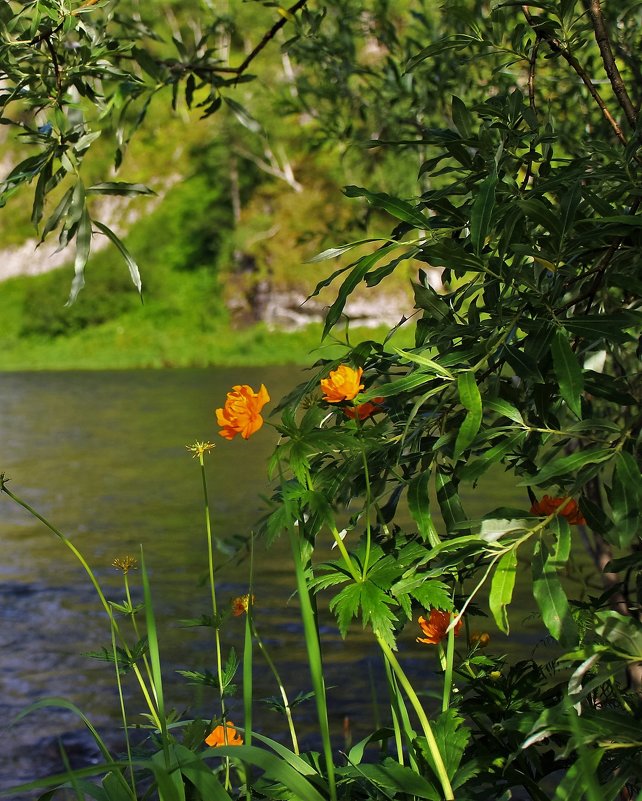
{"x": 501, "y": 589}
{"x": 568, "y": 373}
{"x": 452, "y": 736}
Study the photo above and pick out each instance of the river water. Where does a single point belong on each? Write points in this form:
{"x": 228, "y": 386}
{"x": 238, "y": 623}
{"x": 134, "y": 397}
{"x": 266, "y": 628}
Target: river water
{"x": 103, "y": 456}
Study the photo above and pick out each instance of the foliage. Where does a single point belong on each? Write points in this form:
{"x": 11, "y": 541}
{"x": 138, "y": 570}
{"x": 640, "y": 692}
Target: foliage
{"x": 526, "y": 360}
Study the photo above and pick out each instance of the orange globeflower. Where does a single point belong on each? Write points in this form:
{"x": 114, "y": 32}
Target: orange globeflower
{"x": 435, "y": 627}
{"x": 569, "y": 510}
{"x": 342, "y": 384}
{"x": 217, "y": 736}
{"x": 241, "y": 414}
{"x": 241, "y": 605}
{"x": 364, "y": 410}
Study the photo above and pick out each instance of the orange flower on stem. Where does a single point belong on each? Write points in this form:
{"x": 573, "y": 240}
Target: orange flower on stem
{"x": 242, "y": 411}
{"x": 218, "y": 736}
{"x": 436, "y": 626}
{"x": 342, "y": 384}
{"x": 569, "y": 510}
{"x": 241, "y": 604}
{"x": 364, "y": 410}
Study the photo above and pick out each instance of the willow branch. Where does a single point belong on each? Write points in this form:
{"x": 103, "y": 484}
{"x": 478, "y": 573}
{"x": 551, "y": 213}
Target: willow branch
{"x": 269, "y": 35}
{"x": 557, "y": 47}
{"x": 604, "y": 43}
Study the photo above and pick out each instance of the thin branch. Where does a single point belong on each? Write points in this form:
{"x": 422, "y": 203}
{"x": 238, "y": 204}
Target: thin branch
{"x": 604, "y": 43}
{"x": 557, "y": 47}
{"x": 269, "y": 35}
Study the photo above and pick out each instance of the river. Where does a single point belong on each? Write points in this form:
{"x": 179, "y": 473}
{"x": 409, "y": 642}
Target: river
{"x": 103, "y": 456}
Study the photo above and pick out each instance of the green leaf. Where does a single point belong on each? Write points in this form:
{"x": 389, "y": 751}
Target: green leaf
{"x": 623, "y": 632}
{"x": 83, "y": 246}
{"x": 568, "y": 465}
{"x": 482, "y": 211}
{"x": 419, "y": 506}
{"x": 389, "y": 775}
{"x": 501, "y": 589}
{"x": 398, "y": 208}
{"x": 502, "y": 407}
{"x": 448, "y": 500}
{"x": 452, "y": 736}
{"x": 359, "y": 269}
{"x": 119, "y": 188}
{"x": 470, "y": 400}
{"x": 573, "y": 783}
{"x": 424, "y": 361}
{"x": 568, "y": 373}
{"x": 242, "y": 115}
{"x": 551, "y": 598}
{"x": 626, "y": 499}
{"x": 129, "y": 259}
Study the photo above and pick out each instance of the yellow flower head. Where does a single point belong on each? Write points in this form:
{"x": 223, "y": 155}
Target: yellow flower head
{"x": 199, "y": 448}
{"x": 436, "y": 626}
{"x": 224, "y": 735}
{"x": 125, "y": 563}
{"x": 342, "y": 384}
{"x": 241, "y": 413}
{"x": 241, "y": 605}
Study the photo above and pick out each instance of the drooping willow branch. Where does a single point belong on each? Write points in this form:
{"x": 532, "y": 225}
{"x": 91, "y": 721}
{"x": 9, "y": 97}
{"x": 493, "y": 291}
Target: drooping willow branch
{"x": 557, "y": 47}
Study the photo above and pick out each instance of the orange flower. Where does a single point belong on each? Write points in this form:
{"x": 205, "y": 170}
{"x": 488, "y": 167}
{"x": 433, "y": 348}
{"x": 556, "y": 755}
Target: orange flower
{"x": 241, "y": 414}
{"x": 482, "y": 639}
{"x": 435, "y": 627}
{"x": 218, "y": 735}
{"x": 569, "y": 509}
{"x": 342, "y": 384}
{"x": 241, "y": 605}
{"x": 364, "y": 410}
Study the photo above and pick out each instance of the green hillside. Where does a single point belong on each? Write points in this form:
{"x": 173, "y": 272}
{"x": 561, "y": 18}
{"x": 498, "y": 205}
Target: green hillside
{"x": 243, "y": 202}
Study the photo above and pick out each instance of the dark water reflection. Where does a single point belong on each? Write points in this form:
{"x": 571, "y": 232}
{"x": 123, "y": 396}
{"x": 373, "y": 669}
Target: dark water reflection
{"x": 102, "y": 455}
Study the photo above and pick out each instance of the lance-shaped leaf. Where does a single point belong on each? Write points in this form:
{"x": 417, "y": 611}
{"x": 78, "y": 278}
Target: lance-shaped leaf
{"x": 501, "y": 589}
{"x": 448, "y": 500}
{"x": 625, "y": 497}
{"x": 551, "y": 598}
{"x": 482, "y": 211}
{"x": 568, "y": 465}
{"x": 419, "y": 505}
{"x": 472, "y": 402}
{"x": 568, "y": 373}
{"x": 400, "y": 209}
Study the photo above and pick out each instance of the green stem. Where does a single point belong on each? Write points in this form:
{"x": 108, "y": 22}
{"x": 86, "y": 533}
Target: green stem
{"x": 346, "y": 556}
{"x": 423, "y": 719}
{"x": 99, "y": 592}
{"x": 123, "y": 712}
{"x": 275, "y": 673}
{"x": 448, "y": 673}
{"x": 210, "y": 563}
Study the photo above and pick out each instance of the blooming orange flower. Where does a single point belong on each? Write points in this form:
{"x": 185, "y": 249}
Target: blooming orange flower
{"x": 435, "y": 627}
{"x": 241, "y": 414}
{"x": 241, "y": 605}
{"x": 364, "y": 410}
{"x": 569, "y": 510}
{"x": 342, "y": 384}
{"x": 218, "y": 735}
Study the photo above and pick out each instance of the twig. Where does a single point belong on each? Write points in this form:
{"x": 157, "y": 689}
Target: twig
{"x": 557, "y": 47}
{"x": 269, "y": 35}
{"x": 604, "y": 43}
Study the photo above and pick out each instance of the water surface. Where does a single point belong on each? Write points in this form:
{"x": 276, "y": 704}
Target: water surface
{"x": 103, "y": 456}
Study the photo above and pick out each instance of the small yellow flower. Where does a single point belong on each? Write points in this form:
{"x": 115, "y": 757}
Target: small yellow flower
{"x": 199, "y": 448}
{"x": 125, "y": 563}
{"x": 241, "y": 604}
